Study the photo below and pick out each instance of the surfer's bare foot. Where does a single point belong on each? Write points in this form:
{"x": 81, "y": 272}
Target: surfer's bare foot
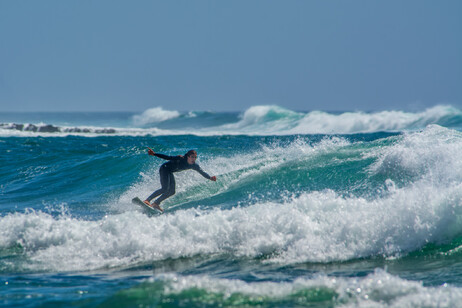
{"x": 157, "y": 206}
{"x": 147, "y": 203}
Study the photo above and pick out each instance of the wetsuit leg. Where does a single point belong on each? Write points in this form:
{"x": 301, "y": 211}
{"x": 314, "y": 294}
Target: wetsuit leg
{"x": 167, "y": 181}
{"x": 163, "y": 182}
{"x": 155, "y": 194}
{"x": 169, "y": 188}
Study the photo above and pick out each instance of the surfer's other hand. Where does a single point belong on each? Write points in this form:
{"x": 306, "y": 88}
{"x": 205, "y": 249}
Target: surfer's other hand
{"x": 150, "y": 152}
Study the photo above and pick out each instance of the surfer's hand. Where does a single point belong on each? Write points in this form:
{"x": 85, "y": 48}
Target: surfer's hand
{"x": 213, "y": 178}
{"x": 150, "y": 152}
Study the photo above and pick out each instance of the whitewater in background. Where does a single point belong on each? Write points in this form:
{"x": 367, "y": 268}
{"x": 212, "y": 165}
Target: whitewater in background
{"x": 257, "y": 120}
{"x": 310, "y": 209}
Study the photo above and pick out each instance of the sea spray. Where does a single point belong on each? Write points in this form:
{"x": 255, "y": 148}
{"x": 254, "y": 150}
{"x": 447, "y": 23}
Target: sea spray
{"x": 316, "y": 227}
{"x": 339, "y": 219}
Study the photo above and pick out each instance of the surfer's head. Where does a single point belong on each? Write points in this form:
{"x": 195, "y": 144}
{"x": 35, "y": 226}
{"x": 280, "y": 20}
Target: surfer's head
{"x": 191, "y": 156}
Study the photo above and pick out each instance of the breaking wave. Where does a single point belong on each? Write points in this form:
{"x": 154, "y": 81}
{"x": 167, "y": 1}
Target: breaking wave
{"x": 257, "y": 120}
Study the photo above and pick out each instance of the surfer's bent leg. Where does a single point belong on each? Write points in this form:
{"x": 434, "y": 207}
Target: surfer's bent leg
{"x": 155, "y": 194}
{"x": 168, "y": 186}
{"x": 164, "y": 182}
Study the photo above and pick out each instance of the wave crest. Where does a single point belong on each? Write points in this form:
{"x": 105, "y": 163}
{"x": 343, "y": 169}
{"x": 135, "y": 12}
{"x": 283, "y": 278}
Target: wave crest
{"x": 257, "y": 120}
{"x": 155, "y": 115}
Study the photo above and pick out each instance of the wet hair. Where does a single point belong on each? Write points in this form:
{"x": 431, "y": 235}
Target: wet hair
{"x": 190, "y": 152}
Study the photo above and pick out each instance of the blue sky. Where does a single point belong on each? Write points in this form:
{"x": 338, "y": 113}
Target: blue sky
{"x": 112, "y": 55}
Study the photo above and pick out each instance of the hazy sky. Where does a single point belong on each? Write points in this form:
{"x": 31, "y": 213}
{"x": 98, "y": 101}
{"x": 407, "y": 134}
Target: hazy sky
{"x": 112, "y": 55}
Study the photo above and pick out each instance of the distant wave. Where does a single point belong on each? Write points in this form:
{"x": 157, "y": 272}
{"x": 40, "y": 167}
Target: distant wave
{"x": 279, "y": 121}
{"x": 264, "y": 118}
{"x": 361, "y": 122}
{"x": 257, "y": 120}
{"x": 154, "y": 115}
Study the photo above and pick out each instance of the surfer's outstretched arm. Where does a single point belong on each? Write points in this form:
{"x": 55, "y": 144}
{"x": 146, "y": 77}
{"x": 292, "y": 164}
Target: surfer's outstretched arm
{"x": 203, "y": 173}
{"x": 166, "y": 157}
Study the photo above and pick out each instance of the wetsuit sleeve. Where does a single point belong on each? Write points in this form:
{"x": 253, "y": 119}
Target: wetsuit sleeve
{"x": 202, "y": 172}
{"x": 166, "y": 157}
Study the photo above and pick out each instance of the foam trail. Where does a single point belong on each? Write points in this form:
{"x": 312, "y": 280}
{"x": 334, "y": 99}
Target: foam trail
{"x": 234, "y": 170}
{"x": 378, "y": 289}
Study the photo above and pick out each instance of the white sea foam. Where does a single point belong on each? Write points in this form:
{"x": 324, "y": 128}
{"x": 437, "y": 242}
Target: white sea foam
{"x": 320, "y": 226}
{"x": 235, "y": 170}
{"x": 432, "y": 154}
{"x": 378, "y": 289}
{"x": 316, "y": 227}
{"x": 85, "y": 131}
{"x": 257, "y": 120}
{"x": 318, "y": 122}
{"x": 155, "y": 115}
{"x": 268, "y": 120}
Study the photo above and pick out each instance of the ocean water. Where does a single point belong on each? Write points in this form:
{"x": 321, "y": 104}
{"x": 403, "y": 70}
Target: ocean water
{"x": 310, "y": 209}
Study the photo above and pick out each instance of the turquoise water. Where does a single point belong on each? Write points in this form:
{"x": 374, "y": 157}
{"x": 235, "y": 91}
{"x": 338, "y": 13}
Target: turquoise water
{"x": 310, "y": 209}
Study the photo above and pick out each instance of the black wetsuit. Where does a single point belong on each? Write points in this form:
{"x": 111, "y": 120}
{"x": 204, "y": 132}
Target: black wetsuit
{"x": 167, "y": 180}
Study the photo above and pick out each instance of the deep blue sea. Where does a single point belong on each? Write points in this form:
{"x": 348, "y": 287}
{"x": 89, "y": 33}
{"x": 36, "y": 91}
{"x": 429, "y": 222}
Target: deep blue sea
{"x": 310, "y": 209}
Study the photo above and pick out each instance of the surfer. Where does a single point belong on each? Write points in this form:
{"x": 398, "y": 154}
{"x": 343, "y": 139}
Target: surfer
{"x": 167, "y": 180}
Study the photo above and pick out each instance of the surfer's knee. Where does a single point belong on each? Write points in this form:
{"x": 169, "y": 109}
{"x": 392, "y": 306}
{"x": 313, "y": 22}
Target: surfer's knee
{"x": 171, "y": 192}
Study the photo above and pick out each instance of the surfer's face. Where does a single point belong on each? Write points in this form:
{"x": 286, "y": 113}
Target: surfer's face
{"x": 192, "y": 159}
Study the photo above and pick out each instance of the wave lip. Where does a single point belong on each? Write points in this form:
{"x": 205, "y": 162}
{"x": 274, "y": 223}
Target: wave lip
{"x": 154, "y": 116}
{"x": 258, "y": 115}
